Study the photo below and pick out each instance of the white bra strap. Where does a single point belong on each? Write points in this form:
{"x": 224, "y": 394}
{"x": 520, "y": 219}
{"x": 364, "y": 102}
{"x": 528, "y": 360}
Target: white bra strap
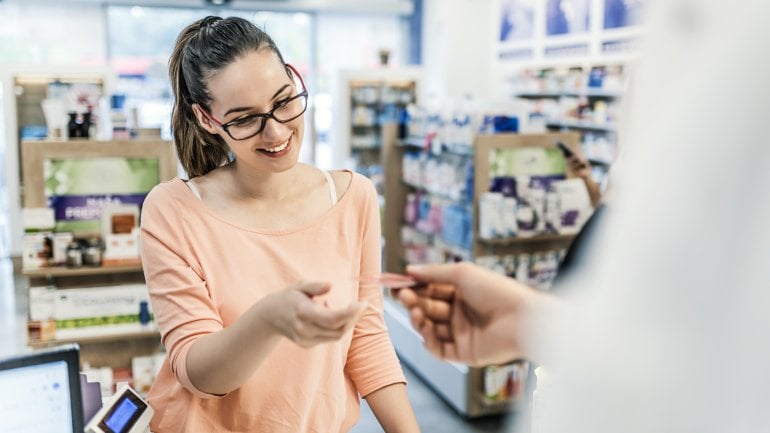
{"x": 193, "y": 188}
{"x": 332, "y": 187}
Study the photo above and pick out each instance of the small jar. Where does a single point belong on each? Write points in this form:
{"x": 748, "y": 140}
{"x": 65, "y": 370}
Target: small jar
{"x": 74, "y": 255}
{"x": 93, "y": 253}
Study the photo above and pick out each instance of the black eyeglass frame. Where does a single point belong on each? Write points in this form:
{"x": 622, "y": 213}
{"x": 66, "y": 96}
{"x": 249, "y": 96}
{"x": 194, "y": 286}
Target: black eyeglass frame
{"x": 264, "y": 116}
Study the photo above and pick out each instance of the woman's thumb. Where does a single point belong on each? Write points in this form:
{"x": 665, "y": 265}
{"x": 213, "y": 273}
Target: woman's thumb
{"x": 313, "y": 289}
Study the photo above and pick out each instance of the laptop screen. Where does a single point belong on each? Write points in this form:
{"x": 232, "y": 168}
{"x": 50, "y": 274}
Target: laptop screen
{"x": 44, "y": 392}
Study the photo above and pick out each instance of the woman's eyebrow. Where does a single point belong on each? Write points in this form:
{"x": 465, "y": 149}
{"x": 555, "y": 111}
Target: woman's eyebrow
{"x": 239, "y": 109}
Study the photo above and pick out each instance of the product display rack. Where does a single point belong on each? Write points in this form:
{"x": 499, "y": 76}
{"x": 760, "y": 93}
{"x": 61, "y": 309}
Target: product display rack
{"x": 370, "y": 99}
{"x": 109, "y": 345}
{"x": 100, "y": 347}
{"x": 582, "y": 84}
{"x": 461, "y": 386}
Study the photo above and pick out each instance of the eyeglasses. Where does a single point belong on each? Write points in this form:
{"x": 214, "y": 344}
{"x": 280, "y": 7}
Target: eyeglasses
{"x": 250, "y": 125}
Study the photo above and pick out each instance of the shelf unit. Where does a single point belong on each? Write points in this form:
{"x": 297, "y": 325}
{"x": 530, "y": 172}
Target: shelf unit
{"x": 23, "y": 88}
{"x": 61, "y": 271}
{"x": 104, "y": 345}
{"x": 458, "y": 384}
{"x": 112, "y": 346}
{"x": 369, "y": 99}
{"x": 582, "y": 125}
{"x": 568, "y": 93}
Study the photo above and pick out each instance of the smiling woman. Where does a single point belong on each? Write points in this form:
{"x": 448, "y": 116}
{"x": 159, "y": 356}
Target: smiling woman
{"x": 251, "y": 262}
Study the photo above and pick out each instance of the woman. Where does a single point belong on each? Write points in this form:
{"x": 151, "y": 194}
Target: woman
{"x": 228, "y": 256}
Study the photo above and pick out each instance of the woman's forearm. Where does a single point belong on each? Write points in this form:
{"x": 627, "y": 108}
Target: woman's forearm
{"x": 391, "y": 406}
{"x": 221, "y": 362}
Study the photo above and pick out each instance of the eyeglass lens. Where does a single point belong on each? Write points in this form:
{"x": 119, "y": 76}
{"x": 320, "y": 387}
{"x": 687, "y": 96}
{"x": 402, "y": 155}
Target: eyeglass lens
{"x": 287, "y": 111}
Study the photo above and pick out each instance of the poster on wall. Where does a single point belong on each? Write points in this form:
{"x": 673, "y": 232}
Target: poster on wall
{"x": 622, "y": 13}
{"x": 78, "y": 189}
{"x": 567, "y": 17}
{"x": 517, "y": 20}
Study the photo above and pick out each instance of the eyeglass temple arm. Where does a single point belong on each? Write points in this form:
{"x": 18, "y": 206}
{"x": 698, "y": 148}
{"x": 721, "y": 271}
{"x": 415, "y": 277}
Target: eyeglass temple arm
{"x": 296, "y": 72}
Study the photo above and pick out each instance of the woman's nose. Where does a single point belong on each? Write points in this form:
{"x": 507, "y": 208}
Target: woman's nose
{"x": 273, "y": 129}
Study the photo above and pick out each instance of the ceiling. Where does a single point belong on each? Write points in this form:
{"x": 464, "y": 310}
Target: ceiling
{"x": 404, "y": 7}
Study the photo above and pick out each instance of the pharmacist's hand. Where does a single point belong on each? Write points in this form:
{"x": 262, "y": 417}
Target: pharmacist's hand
{"x": 578, "y": 166}
{"x": 295, "y": 314}
{"x": 468, "y": 314}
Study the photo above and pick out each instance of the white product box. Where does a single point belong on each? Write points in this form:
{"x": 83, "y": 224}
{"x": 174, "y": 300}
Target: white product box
{"x": 36, "y": 250}
{"x": 60, "y": 243}
{"x": 41, "y": 303}
{"x": 37, "y": 219}
{"x": 99, "y": 301}
{"x": 574, "y": 205}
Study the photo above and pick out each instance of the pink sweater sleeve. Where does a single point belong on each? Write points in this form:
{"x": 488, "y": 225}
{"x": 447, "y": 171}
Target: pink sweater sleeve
{"x": 180, "y": 299}
{"x": 372, "y": 362}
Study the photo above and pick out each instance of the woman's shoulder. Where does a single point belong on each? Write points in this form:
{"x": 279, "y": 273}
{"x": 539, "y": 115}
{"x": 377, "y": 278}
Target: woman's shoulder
{"x": 347, "y": 181}
{"x": 165, "y": 190}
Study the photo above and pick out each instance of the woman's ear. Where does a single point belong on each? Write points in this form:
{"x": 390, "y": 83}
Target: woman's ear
{"x": 204, "y": 120}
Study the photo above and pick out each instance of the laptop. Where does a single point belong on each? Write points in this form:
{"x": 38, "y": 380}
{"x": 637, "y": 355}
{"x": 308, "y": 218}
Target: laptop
{"x": 41, "y": 392}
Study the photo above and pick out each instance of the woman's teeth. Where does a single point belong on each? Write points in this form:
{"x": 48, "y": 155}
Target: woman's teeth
{"x": 277, "y": 148}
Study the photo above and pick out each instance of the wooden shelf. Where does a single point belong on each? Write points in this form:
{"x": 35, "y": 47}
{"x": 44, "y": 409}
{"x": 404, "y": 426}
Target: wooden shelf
{"x": 527, "y": 240}
{"x": 422, "y": 189}
{"x": 582, "y": 125}
{"x": 60, "y": 271}
{"x": 591, "y": 93}
{"x": 103, "y": 335}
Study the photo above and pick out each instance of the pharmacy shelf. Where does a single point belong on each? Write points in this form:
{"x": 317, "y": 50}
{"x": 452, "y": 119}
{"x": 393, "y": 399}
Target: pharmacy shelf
{"x": 415, "y": 142}
{"x": 590, "y": 126}
{"x": 437, "y": 241}
{"x": 99, "y": 334}
{"x": 555, "y": 238}
{"x": 60, "y": 271}
{"x": 591, "y": 93}
{"x": 422, "y": 189}
{"x": 419, "y": 143}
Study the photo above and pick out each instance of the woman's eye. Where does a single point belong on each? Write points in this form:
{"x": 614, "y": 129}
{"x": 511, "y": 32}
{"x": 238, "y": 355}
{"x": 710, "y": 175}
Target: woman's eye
{"x": 245, "y": 121}
{"x": 281, "y": 103}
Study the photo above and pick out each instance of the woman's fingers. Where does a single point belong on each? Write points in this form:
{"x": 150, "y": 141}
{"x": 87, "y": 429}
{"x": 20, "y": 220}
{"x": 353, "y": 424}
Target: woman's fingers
{"x": 332, "y": 318}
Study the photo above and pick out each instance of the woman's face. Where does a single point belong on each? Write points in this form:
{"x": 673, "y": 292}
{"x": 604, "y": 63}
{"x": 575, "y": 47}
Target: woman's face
{"x": 255, "y": 84}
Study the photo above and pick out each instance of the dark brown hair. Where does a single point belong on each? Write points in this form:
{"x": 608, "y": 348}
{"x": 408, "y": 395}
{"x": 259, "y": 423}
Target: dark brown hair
{"x": 203, "y": 48}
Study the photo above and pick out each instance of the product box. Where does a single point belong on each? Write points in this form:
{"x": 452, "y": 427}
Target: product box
{"x": 120, "y": 231}
{"x": 37, "y": 249}
{"x": 143, "y": 371}
{"x": 94, "y": 306}
{"x": 41, "y": 330}
{"x": 574, "y": 205}
{"x": 41, "y": 303}
{"x": 60, "y": 243}
{"x": 38, "y": 219}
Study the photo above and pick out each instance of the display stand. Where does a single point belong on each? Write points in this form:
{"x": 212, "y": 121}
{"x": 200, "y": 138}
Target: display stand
{"x": 111, "y": 345}
{"x": 368, "y": 100}
{"x": 461, "y": 386}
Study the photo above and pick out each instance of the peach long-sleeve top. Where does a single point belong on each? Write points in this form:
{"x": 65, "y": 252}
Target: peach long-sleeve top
{"x": 204, "y": 271}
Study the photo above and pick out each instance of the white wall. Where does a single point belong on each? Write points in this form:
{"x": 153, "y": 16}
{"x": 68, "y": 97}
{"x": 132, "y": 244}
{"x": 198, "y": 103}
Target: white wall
{"x": 457, "y": 48}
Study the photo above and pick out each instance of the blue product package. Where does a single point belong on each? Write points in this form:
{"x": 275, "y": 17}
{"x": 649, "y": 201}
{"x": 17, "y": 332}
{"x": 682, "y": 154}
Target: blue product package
{"x": 505, "y": 185}
{"x": 33, "y": 132}
{"x": 596, "y": 78}
{"x": 506, "y": 124}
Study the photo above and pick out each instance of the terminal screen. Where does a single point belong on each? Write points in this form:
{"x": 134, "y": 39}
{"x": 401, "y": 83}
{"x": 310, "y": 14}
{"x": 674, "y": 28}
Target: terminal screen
{"x": 39, "y": 401}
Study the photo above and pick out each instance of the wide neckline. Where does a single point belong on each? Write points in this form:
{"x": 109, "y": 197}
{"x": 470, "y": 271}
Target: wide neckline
{"x": 189, "y": 196}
